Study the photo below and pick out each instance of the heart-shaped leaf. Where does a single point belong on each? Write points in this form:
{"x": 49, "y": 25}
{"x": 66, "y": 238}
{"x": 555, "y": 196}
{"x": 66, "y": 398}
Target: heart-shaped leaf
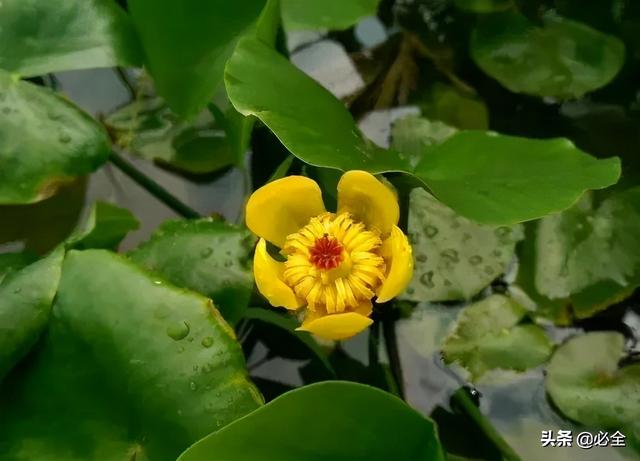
{"x": 341, "y": 421}
{"x": 561, "y": 59}
{"x": 488, "y": 335}
{"x": 486, "y": 177}
{"x": 205, "y": 255}
{"x": 590, "y": 252}
{"x": 586, "y": 383}
{"x": 131, "y": 368}
{"x": 39, "y": 37}
{"x": 45, "y": 141}
{"x": 187, "y": 43}
{"x": 327, "y": 14}
{"x": 25, "y": 304}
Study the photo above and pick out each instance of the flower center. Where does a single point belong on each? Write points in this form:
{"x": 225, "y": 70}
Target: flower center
{"x": 334, "y": 263}
{"x": 326, "y": 253}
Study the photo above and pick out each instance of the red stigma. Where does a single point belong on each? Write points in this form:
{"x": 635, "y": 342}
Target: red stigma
{"x": 326, "y": 253}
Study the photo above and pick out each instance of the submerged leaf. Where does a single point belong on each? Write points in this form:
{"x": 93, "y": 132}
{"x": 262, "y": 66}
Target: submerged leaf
{"x": 488, "y": 335}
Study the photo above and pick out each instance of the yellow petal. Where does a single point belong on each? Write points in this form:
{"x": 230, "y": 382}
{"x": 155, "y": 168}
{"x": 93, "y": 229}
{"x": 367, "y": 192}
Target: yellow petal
{"x": 397, "y": 252}
{"x": 282, "y": 207}
{"x": 269, "y": 278}
{"x": 368, "y": 200}
{"x": 337, "y": 326}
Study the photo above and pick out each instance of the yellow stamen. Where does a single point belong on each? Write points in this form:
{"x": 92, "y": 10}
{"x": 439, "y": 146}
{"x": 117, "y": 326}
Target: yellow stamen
{"x": 334, "y": 263}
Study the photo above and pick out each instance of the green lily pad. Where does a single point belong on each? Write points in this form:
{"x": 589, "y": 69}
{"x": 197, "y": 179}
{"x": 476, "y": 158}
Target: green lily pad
{"x": 45, "y": 141}
{"x": 586, "y": 383}
{"x": 131, "y": 368}
{"x": 25, "y": 303}
{"x": 590, "y": 252}
{"x": 187, "y": 43}
{"x": 342, "y": 421}
{"x": 39, "y": 37}
{"x": 490, "y": 178}
{"x": 149, "y": 129}
{"x": 326, "y": 14}
{"x": 489, "y": 335}
{"x": 106, "y": 226}
{"x": 413, "y": 136}
{"x": 454, "y": 258}
{"x": 562, "y": 59}
{"x": 449, "y": 105}
{"x": 205, "y": 255}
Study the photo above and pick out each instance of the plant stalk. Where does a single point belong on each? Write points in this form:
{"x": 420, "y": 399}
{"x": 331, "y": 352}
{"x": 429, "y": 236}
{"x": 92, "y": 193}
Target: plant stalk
{"x": 153, "y": 187}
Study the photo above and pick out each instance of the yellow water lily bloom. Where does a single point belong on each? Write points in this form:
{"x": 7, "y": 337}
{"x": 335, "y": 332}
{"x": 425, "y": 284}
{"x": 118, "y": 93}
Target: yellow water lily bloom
{"x": 335, "y": 263}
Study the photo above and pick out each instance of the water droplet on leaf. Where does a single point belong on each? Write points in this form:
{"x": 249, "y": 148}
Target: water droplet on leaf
{"x": 207, "y": 341}
{"x": 178, "y": 331}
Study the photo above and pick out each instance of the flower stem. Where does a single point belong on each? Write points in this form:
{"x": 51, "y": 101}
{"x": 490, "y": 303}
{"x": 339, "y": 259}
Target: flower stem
{"x": 153, "y": 187}
{"x": 391, "y": 343}
{"x": 466, "y": 405}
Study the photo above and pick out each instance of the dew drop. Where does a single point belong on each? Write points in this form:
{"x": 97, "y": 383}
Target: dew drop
{"x": 206, "y": 252}
{"x": 497, "y": 253}
{"x": 450, "y": 254}
{"x": 207, "y": 341}
{"x": 489, "y": 270}
{"x": 427, "y": 279}
{"x": 193, "y": 386}
{"x": 17, "y": 290}
{"x": 64, "y": 138}
{"x": 475, "y": 260}
{"x": 421, "y": 258}
{"x": 430, "y": 231}
{"x": 178, "y": 331}
{"x": 502, "y": 232}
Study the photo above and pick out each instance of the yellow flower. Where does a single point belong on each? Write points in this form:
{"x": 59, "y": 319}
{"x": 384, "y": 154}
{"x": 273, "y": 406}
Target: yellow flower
{"x": 335, "y": 263}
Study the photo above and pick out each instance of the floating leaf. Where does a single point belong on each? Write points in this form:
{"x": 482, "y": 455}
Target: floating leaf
{"x": 148, "y": 128}
{"x": 39, "y": 37}
{"x": 326, "y": 14}
{"x": 131, "y": 368}
{"x": 205, "y": 255}
{"x": 586, "y": 383}
{"x": 486, "y": 177}
{"x": 414, "y": 135}
{"x": 454, "y": 258}
{"x": 562, "y": 59}
{"x": 488, "y": 335}
{"x": 36, "y": 124}
{"x": 344, "y": 420}
{"x": 453, "y": 107}
{"x": 25, "y": 304}
{"x": 590, "y": 251}
{"x": 187, "y": 44}
{"x": 106, "y": 226}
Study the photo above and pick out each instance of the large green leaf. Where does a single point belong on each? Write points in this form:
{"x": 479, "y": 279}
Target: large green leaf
{"x": 561, "y": 59}
{"x": 45, "y": 141}
{"x": 205, "y": 255}
{"x": 11, "y": 262}
{"x": 454, "y": 258}
{"x": 187, "y": 44}
{"x": 131, "y": 368}
{"x": 25, "y": 304}
{"x": 106, "y": 226}
{"x": 590, "y": 252}
{"x": 340, "y": 421}
{"x": 487, "y": 177}
{"x": 148, "y": 128}
{"x": 38, "y": 37}
{"x": 497, "y": 179}
{"x": 326, "y": 14}
{"x": 488, "y": 335}
{"x": 586, "y": 383}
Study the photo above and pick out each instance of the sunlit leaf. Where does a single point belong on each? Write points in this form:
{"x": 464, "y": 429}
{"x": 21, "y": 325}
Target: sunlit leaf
{"x": 326, "y": 14}
{"x": 490, "y": 178}
{"x": 38, "y": 37}
{"x": 489, "y": 335}
{"x": 25, "y": 304}
{"x": 187, "y": 43}
{"x": 455, "y": 258}
{"x": 131, "y": 368}
{"x": 586, "y": 383}
{"x": 205, "y": 255}
{"x": 344, "y": 420}
{"x": 36, "y": 124}
{"x": 562, "y": 59}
